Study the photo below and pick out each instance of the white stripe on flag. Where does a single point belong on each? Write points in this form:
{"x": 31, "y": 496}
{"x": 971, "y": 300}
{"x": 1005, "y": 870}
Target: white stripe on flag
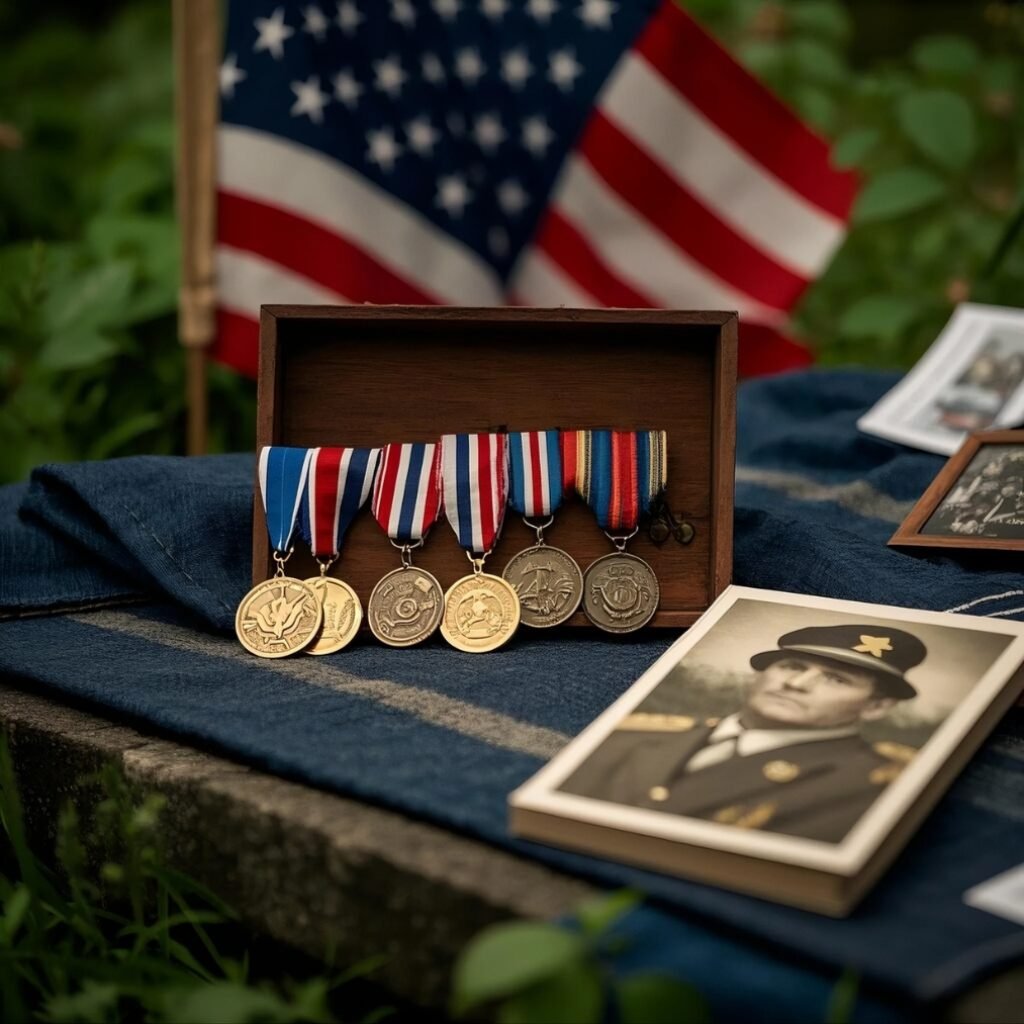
{"x": 642, "y": 257}
{"x": 245, "y": 282}
{"x": 545, "y": 483}
{"x": 538, "y": 281}
{"x": 708, "y": 164}
{"x": 400, "y": 481}
{"x": 321, "y": 190}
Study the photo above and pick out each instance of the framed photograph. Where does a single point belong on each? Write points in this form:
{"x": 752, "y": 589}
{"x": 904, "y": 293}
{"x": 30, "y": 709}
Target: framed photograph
{"x": 976, "y": 501}
{"x": 970, "y": 379}
{"x": 786, "y": 746}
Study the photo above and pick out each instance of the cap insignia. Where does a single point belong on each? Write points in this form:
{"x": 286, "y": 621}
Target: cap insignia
{"x": 873, "y": 645}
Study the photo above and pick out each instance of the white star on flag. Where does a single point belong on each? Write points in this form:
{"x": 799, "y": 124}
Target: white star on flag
{"x": 272, "y": 34}
{"x": 347, "y": 89}
{"x": 422, "y": 136}
{"x": 384, "y": 149}
{"x": 488, "y": 132}
{"x": 564, "y": 69}
{"x": 349, "y": 19}
{"x": 389, "y": 76}
{"x": 597, "y": 13}
{"x": 468, "y": 66}
{"x": 403, "y": 12}
{"x": 512, "y": 197}
{"x": 494, "y": 9}
{"x": 309, "y": 99}
{"x": 541, "y": 10}
{"x": 315, "y": 23}
{"x": 432, "y": 68}
{"x": 537, "y": 136}
{"x": 453, "y": 194}
{"x": 516, "y": 67}
{"x": 230, "y": 75}
{"x": 447, "y": 10}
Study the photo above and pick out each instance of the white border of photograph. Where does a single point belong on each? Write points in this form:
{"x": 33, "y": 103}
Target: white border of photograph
{"x": 952, "y": 352}
{"x": 540, "y": 793}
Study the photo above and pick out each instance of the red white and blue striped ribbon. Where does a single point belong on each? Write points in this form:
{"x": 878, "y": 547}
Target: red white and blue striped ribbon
{"x": 407, "y": 495}
{"x": 619, "y": 473}
{"x": 282, "y": 475}
{"x": 475, "y": 473}
{"x": 535, "y": 472}
{"x": 338, "y": 484}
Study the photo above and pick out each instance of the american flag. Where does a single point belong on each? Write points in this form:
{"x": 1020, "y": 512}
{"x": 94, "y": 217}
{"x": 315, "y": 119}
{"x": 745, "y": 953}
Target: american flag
{"x": 535, "y": 152}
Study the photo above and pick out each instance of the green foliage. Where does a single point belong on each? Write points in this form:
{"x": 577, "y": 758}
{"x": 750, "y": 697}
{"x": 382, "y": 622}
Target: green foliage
{"x": 937, "y": 138}
{"x": 537, "y": 973}
{"x": 116, "y": 934}
{"x": 90, "y": 366}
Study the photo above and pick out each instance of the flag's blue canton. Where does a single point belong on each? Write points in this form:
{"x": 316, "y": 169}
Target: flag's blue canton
{"x": 464, "y": 109}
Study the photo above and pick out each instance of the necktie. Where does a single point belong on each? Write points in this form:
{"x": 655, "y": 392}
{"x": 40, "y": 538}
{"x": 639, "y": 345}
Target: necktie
{"x": 714, "y": 753}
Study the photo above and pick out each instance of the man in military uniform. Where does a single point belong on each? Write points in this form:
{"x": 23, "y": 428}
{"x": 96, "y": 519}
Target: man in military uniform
{"x": 791, "y": 759}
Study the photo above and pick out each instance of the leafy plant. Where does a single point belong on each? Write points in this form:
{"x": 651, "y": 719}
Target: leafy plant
{"x": 134, "y": 939}
{"x": 538, "y": 973}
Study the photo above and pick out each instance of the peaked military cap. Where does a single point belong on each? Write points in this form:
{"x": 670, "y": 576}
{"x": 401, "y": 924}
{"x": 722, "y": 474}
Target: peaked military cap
{"x": 887, "y": 653}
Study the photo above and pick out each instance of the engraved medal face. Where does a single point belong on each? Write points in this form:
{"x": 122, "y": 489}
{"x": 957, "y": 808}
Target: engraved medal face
{"x": 343, "y": 614}
{"x": 481, "y": 612}
{"x": 405, "y": 607}
{"x": 279, "y": 617}
{"x": 549, "y": 585}
{"x": 620, "y": 593}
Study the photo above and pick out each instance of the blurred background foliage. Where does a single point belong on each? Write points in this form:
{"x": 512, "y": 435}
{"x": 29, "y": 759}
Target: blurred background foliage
{"x": 922, "y": 99}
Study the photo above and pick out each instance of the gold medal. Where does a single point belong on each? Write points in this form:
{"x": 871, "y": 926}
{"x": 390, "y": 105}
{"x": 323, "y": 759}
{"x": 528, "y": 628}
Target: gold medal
{"x": 481, "y": 612}
{"x": 279, "y": 617}
{"x": 342, "y": 614}
{"x": 405, "y": 607}
{"x": 620, "y": 593}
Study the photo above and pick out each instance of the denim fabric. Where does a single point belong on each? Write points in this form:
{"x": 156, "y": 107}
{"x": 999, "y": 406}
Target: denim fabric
{"x": 446, "y": 737}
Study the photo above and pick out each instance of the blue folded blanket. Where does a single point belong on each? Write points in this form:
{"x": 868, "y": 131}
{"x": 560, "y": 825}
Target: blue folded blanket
{"x": 445, "y": 737}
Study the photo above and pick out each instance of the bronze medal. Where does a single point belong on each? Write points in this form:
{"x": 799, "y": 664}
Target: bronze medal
{"x": 405, "y": 607}
{"x": 342, "y": 614}
{"x": 481, "y": 612}
{"x": 279, "y": 617}
{"x": 620, "y": 593}
{"x": 548, "y": 583}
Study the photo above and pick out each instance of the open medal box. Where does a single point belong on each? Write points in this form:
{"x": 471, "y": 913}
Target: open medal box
{"x": 369, "y": 375}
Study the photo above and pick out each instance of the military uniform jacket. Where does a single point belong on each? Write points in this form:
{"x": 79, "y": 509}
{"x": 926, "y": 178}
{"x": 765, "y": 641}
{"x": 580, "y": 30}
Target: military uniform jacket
{"x": 815, "y": 789}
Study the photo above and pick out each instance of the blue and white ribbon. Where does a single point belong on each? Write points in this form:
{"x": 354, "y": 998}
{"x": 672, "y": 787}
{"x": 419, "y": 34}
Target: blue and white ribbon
{"x": 282, "y": 473}
{"x": 475, "y": 475}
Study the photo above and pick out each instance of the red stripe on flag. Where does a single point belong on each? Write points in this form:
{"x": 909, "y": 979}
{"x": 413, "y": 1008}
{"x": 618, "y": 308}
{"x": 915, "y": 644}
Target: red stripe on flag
{"x": 650, "y": 189}
{"x": 535, "y": 474}
{"x": 237, "y": 342}
{"x": 312, "y": 251}
{"x": 325, "y": 488}
{"x": 728, "y": 95}
{"x": 764, "y": 350}
{"x": 484, "y": 480}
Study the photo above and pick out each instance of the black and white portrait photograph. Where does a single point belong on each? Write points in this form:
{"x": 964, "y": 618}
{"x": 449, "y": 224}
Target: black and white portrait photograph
{"x": 971, "y": 379}
{"x": 987, "y": 499}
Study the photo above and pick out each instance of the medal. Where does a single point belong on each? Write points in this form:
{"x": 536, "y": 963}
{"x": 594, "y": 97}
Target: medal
{"x": 339, "y": 483}
{"x": 547, "y": 580}
{"x": 282, "y": 615}
{"x": 481, "y": 611}
{"x": 406, "y": 606}
{"x": 618, "y": 474}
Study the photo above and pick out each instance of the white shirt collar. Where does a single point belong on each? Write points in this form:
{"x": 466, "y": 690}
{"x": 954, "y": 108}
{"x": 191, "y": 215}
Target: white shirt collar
{"x": 756, "y": 741}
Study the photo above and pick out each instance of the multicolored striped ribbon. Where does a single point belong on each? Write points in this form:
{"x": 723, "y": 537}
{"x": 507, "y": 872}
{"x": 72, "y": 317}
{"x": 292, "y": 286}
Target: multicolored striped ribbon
{"x": 339, "y": 482}
{"x": 475, "y": 472}
{"x": 407, "y": 495}
{"x": 619, "y": 473}
{"x": 535, "y": 472}
{"x": 282, "y": 473}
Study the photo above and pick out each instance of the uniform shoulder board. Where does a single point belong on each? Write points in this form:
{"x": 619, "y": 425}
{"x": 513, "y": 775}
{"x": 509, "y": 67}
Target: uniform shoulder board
{"x": 642, "y": 721}
{"x": 895, "y": 751}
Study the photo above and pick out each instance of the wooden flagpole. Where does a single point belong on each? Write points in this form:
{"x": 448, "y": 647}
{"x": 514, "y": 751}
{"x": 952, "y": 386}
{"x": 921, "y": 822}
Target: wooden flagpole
{"x": 196, "y": 52}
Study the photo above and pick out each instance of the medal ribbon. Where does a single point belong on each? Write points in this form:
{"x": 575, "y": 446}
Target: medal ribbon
{"x": 282, "y": 472}
{"x": 407, "y": 495}
{"x": 619, "y": 473}
{"x": 535, "y": 472}
{"x": 339, "y": 482}
{"x": 475, "y": 480}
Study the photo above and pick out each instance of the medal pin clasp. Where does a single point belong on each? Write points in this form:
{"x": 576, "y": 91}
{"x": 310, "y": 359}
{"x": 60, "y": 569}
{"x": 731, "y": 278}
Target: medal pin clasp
{"x": 539, "y": 528}
{"x": 280, "y": 560}
{"x": 622, "y": 540}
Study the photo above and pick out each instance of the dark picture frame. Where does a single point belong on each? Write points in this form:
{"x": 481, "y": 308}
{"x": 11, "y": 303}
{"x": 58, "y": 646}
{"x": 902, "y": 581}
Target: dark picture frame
{"x": 910, "y": 530}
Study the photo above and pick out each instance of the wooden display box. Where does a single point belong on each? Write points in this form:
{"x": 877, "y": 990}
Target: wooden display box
{"x": 368, "y": 375}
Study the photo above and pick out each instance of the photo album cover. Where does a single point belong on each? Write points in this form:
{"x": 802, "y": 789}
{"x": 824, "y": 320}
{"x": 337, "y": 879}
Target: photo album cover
{"x": 970, "y": 379}
{"x": 785, "y": 746}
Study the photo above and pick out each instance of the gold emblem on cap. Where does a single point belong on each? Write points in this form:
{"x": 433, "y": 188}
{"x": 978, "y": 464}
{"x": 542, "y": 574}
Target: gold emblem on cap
{"x": 742, "y": 817}
{"x": 780, "y": 771}
{"x": 873, "y": 645}
{"x": 658, "y": 793}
